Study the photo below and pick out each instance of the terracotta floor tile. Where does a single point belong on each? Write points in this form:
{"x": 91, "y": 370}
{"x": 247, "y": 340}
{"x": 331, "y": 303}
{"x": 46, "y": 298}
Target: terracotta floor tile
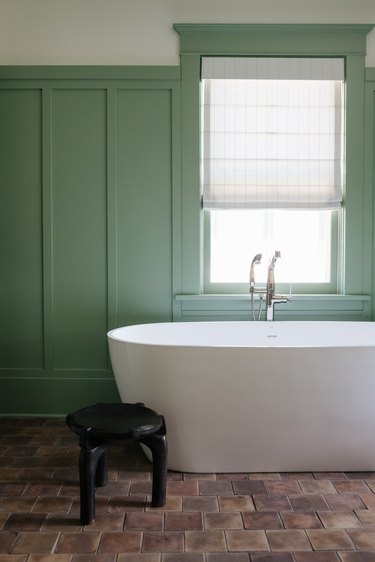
{"x": 316, "y": 556}
{"x": 218, "y": 487}
{"x": 262, "y": 520}
{"x": 114, "y": 542}
{"x": 35, "y": 542}
{"x": 232, "y": 476}
{"x": 329, "y": 539}
{"x": 200, "y": 503}
{"x": 283, "y": 487}
{"x": 351, "y": 486}
{"x": 199, "y": 476}
{"x": 366, "y": 517}
{"x": 249, "y": 487}
{"x": 370, "y": 484}
{"x": 152, "y": 521}
{"x": 330, "y": 476}
{"x": 227, "y": 557}
{"x": 138, "y": 557}
{"x": 50, "y": 558}
{"x": 53, "y": 504}
{"x": 3, "y": 518}
{"x": 77, "y": 543}
{"x": 91, "y": 558}
{"x": 187, "y": 521}
{"x": 297, "y": 475}
{"x": 269, "y": 502}
{"x": 317, "y": 487}
{"x": 363, "y": 539}
{"x": 205, "y": 541}
{"x": 9, "y": 489}
{"x": 264, "y": 476}
{"x": 63, "y": 522}
{"x": 164, "y": 541}
{"x": 368, "y": 500}
{"x": 119, "y": 489}
{"x": 45, "y": 489}
{"x": 224, "y": 520}
{"x": 254, "y": 540}
{"x": 361, "y": 556}
{"x": 124, "y": 504}
{"x": 24, "y": 504}
{"x": 13, "y": 557}
{"x": 301, "y": 520}
{"x": 182, "y": 557}
{"x": 339, "y": 519}
{"x": 107, "y": 522}
{"x": 235, "y": 503}
{"x": 360, "y": 475}
{"x": 172, "y": 503}
{"x": 289, "y": 540}
{"x": 134, "y": 475}
{"x": 311, "y": 502}
{"x": 182, "y": 488}
{"x": 25, "y": 521}
{"x": 346, "y": 502}
{"x": 271, "y": 557}
{"x": 7, "y": 540}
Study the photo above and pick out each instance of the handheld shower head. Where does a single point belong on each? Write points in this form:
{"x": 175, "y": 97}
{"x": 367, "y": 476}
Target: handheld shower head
{"x": 255, "y": 261}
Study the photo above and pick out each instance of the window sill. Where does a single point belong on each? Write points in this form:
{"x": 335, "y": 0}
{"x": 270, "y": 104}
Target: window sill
{"x": 207, "y": 307}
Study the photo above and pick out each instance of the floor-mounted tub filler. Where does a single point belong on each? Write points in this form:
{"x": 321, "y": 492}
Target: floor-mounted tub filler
{"x": 255, "y": 396}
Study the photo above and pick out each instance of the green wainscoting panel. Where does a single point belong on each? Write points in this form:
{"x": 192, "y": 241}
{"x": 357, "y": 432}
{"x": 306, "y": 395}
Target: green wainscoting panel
{"x": 21, "y": 295}
{"x": 144, "y": 205}
{"x": 53, "y": 397}
{"x": 79, "y": 226}
{"x": 89, "y": 160}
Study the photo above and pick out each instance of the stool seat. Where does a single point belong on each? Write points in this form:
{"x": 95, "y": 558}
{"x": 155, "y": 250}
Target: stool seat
{"x": 115, "y": 421}
{"x": 102, "y": 424}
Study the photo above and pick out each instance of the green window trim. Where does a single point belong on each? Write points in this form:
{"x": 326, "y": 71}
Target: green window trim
{"x": 348, "y": 41}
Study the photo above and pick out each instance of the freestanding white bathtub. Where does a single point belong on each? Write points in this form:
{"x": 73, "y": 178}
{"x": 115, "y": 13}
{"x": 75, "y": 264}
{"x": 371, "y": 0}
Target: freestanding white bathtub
{"x": 255, "y": 396}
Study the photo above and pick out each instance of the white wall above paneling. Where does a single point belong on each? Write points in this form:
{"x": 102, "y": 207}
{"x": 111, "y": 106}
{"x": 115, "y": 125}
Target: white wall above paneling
{"x": 139, "y": 32}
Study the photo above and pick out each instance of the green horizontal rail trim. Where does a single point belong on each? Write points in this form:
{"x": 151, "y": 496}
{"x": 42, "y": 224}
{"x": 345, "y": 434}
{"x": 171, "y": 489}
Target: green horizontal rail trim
{"x": 89, "y": 72}
{"x": 246, "y": 297}
{"x": 61, "y": 374}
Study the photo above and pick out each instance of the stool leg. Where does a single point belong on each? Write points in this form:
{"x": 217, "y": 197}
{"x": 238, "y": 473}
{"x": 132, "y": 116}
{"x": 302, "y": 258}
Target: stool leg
{"x": 88, "y": 464}
{"x": 101, "y": 477}
{"x": 159, "y": 449}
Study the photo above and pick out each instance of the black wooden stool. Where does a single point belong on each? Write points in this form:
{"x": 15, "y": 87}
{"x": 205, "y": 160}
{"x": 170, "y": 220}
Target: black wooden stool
{"x": 101, "y": 424}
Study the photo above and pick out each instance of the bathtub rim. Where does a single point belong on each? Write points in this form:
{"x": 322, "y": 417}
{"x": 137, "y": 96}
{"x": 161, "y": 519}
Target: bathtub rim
{"x": 272, "y": 343}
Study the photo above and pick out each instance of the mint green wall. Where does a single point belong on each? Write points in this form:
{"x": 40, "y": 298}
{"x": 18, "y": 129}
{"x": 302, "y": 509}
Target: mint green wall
{"x": 97, "y": 231}
{"x": 86, "y": 168}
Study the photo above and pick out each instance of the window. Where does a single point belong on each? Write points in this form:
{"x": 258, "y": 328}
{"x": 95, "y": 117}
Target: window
{"x": 272, "y": 144}
{"x": 350, "y": 226}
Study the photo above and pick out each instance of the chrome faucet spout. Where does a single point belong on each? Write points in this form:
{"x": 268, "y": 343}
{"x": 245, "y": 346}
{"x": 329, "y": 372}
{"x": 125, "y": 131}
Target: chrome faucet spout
{"x": 268, "y": 292}
{"x": 271, "y": 297}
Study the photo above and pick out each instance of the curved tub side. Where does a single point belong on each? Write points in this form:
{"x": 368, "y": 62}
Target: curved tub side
{"x": 256, "y": 410}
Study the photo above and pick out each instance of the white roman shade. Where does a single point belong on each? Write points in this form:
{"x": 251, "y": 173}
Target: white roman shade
{"x": 272, "y": 132}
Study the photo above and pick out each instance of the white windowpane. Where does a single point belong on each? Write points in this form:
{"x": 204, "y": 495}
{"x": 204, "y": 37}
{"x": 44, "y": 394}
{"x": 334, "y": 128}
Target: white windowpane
{"x": 303, "y": 237}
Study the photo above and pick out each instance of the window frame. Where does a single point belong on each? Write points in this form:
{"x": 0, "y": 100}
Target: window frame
{"x": 347, "y": 41}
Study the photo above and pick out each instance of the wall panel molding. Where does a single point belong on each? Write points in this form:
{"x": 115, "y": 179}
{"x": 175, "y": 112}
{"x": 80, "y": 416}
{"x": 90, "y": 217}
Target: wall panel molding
{"x": 90, "y": 188}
